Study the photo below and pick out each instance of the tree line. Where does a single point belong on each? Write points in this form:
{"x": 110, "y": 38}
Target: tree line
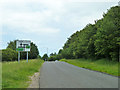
{"x": 95, "y": 41}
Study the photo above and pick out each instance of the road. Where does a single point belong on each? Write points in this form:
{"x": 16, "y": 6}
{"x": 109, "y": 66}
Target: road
{"x": 63, "y": 75}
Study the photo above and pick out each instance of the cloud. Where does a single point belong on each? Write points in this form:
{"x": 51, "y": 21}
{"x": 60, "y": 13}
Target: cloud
{"x": 54, "y": 1}
{"x": 47, "y": 22}
{"x": 30, "y": 21}
{"x": 31, "y": 16}
{"x": 43, "y": 16}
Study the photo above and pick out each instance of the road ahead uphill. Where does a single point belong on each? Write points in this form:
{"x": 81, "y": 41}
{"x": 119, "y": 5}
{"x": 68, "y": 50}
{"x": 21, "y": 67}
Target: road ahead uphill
{"x": 63, "y": 75}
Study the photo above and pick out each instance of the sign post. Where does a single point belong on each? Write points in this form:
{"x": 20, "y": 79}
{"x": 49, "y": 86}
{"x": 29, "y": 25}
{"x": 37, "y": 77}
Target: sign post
{"x": 27, "y": 57}
{"x": 22, "y": 46}
{"x": 18, "y": 56}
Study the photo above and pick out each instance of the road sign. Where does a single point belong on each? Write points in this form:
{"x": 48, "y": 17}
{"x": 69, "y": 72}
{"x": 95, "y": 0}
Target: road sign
{"x": 23, "y": 45}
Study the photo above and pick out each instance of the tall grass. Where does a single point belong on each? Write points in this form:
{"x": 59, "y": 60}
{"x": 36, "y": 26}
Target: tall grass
{"x": 101, "y": 65}
{"x": 0, "y": 75}
{"x": 16, "y": 75}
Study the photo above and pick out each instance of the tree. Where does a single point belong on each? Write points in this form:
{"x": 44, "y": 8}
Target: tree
{"x": 108, "y": 34}
{"x": 45, "y": 57}
{"x": 95, "y": 41}
{"x": 52, "y": 58}
{"x": 34, "y": 51}
{"x": 60, "y": 51}
{"x": 9, "y": 55}
{"x": 12, "y": 45}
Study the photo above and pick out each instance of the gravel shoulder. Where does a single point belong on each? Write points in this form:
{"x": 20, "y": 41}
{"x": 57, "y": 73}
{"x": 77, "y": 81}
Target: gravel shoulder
{"x": 34, "y": 80}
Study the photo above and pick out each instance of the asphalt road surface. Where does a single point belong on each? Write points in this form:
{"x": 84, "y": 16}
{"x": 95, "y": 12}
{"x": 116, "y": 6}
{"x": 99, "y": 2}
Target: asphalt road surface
{"x": 63, "y": 75}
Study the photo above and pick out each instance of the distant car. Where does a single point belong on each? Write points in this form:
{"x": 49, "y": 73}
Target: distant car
{"x": 56, "y": 60}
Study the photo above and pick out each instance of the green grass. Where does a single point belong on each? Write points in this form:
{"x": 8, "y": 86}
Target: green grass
{"x": 0, "y": 75}
{"x": 101, "y": 65}
{"x": 16, "y": 75}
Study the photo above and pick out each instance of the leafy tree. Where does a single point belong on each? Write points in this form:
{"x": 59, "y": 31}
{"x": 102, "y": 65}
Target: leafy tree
{"x": 108, "y": 33}
{"x": 53, "y": 54}
{"x": 52, "y": 58}
{"x": 9, "y": 55}
{"x": 12, "y": 45}
{"x": 34, "y": 51}
{"x": 60, "y": 51}
{"x": 45, "y": 57}
{"x": 95, "y": 41}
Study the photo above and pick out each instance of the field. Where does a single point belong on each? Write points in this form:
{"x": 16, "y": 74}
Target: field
{"x": 0, "y": 75}
{"x": 16, "y": 75}
{"x": 101, "y": 65}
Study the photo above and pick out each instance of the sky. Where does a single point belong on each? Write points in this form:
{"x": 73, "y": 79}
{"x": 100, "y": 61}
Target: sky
{"x": 47, "y": 23}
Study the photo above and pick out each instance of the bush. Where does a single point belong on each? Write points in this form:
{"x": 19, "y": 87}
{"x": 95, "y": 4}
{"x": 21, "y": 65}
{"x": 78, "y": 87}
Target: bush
{"x": 9, "y": 55}
{"x": 52, "y": 58}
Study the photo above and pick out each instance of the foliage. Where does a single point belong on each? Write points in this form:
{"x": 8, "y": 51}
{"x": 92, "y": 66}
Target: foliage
{"x": 53, "y": 57}
{"x": 0, "y": 69}
{"x": 108, "y": 33}
{"x": 9, "y": 55}
{"x": 45, "y": 57}
{"x": 34, "y": 51}
{"x": 95, "y": 41}
{"x": 15, "y": 75}
{"x": 101, "y": 65}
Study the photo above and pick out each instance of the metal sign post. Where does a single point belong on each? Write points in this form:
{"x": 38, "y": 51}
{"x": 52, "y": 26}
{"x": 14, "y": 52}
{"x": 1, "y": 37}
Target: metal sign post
{"x": 27, "y": 57}
{"x": 18, "y": 56}
{"x": 22, "y": 46}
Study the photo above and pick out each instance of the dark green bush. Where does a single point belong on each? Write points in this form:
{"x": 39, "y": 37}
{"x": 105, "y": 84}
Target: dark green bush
{"x": 9, "y": 55}
{"x": 53, "y": 58}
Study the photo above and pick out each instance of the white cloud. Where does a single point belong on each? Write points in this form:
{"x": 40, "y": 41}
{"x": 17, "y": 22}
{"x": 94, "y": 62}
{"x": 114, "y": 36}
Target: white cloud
{"x": 18, "y": 15}
{"x": 93, "y": 0}
{"x": 30, "y": 21}
{"x": 55, "y": 1}
{"x": 78, "y": 21}
{"x": 36, "y": 15}
{"x": 48, "y": 22}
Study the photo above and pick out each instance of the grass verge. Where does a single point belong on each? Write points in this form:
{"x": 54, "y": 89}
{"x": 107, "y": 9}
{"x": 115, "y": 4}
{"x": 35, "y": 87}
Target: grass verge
{"x": 16, "y": 75}
{"x": 101, "y": 65}
{"x": 0, "y": 75}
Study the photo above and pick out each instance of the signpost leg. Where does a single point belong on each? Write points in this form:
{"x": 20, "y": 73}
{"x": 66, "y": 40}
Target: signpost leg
{"x": 27, "y": 57}
{"x": 19, "y": 57}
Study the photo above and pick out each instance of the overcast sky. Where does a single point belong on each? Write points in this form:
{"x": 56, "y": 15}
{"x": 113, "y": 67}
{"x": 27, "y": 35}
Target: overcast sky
{"x": 47, "y": 23}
